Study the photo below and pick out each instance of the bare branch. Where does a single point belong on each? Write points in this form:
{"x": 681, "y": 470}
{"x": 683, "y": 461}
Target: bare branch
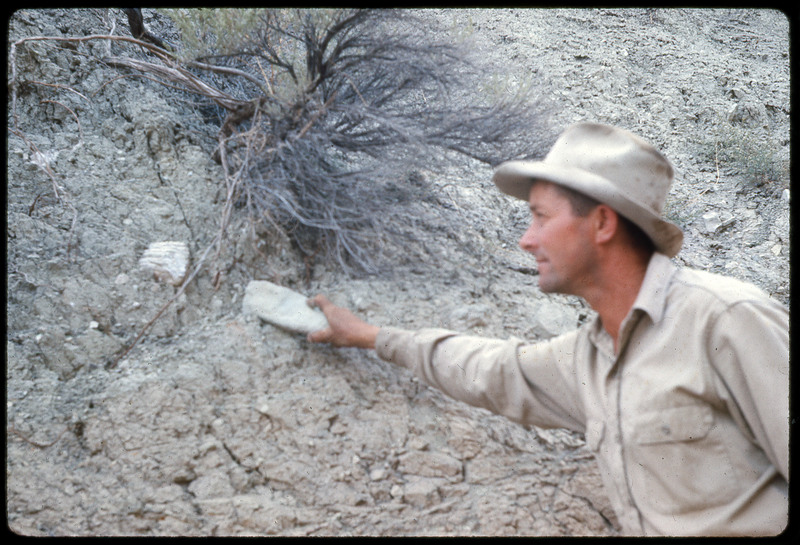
{"x": 139, "y": 30}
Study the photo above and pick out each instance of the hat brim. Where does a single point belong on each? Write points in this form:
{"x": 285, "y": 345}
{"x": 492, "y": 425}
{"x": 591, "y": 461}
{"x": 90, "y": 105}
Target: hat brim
{"x": 515, "y": 178}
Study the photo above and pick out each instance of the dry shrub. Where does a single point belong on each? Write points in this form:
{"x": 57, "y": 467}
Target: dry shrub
{"x": 336, "y": 103}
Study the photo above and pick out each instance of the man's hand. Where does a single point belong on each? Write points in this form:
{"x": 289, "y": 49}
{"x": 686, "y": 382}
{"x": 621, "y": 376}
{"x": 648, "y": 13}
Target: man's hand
{"x": 344, "y": 327}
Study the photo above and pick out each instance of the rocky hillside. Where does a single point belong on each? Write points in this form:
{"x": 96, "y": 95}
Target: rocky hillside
{"x": 214, "y": 424}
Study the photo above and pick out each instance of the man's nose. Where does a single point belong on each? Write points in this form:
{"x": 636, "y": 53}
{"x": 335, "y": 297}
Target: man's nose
{"x": 529, "y": 241}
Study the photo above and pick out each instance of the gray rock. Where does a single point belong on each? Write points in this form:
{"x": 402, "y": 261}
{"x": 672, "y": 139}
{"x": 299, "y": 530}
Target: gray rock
{"x": 711, "y": 221}
{"x": 715, "y": 222}
{"x": 551, "y": 318}
{"x": 747, "y": 113}
{"x": 422, "y": 492}
{"x": 430, "y": 464}
{"x": 281, "y": 307}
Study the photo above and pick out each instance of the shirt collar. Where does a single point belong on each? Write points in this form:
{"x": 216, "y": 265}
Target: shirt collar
{"x": 653, "y": 293}
{"x": 651, "y": 299}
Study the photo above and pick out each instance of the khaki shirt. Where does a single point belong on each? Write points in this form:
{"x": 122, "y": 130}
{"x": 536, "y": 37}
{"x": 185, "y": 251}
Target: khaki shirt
{"x": 689, "y": 422}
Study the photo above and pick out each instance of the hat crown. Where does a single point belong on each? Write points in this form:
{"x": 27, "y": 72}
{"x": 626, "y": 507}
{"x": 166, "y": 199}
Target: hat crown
{"x": 636, "y": 168}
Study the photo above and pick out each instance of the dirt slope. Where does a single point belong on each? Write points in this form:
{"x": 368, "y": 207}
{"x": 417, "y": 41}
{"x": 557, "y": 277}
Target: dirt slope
{"x": 216, "y": 425}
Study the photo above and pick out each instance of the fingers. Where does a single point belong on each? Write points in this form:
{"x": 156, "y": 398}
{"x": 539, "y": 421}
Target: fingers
{"x": 320, "y": 336}
{"x": 323, "y": 335}
{"x": 319, "y": 301}
{"x": 344, "y": 327}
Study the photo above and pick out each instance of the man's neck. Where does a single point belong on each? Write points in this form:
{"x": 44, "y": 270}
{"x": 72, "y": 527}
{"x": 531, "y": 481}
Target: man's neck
{"x": 616, "y": 288}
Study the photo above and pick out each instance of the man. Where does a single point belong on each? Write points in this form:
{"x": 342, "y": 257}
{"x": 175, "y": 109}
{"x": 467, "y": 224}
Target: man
{"x": 680, "y": 383}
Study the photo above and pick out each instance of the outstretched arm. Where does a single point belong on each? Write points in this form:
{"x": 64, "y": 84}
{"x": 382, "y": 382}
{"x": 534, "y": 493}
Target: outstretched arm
{"x": 344, "y": 327}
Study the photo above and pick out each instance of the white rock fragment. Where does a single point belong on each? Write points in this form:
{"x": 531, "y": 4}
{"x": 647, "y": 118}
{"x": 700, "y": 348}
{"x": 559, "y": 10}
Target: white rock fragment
{"x": 712, "y": 221}
{"x": 281, "y": 307}
{"x": 168, "y": 260}
{"x": 785, "y": 195}
{"x": 715, "y": 222}
{"x": 44, "y": 160}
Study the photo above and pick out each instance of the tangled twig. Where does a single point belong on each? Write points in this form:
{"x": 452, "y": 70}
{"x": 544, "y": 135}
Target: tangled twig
{"x": 30, "y": 441}
{"x": 80, "y": 129}
{"x": 40, "y": 160}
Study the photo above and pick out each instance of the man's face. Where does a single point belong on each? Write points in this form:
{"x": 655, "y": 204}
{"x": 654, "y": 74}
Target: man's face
{"x": 560, "y": 241}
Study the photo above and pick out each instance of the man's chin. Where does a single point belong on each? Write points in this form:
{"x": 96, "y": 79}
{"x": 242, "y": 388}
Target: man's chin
{"x": 547, "y": 287}
{"x": 551, "y": 285}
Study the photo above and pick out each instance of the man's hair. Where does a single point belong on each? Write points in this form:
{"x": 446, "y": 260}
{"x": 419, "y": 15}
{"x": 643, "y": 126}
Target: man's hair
{"x": 583, "y": 204}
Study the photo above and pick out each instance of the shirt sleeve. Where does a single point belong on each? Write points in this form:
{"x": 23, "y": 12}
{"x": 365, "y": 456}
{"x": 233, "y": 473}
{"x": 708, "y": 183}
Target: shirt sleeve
{"x": 527, "y": 383}
{"x": 750, "y": 351}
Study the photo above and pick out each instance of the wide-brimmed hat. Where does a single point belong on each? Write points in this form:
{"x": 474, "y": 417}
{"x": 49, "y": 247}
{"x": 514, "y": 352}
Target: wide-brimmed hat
{"x": 612, "y": 166}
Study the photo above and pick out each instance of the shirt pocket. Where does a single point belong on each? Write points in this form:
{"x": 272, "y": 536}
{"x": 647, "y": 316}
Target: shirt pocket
{"x": 677, "y": 463}
{"x": 674, "y": 425}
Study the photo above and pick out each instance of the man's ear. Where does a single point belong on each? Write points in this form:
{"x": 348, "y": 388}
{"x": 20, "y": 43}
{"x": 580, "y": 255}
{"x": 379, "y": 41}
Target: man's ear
{"x": 606, "y": 222}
